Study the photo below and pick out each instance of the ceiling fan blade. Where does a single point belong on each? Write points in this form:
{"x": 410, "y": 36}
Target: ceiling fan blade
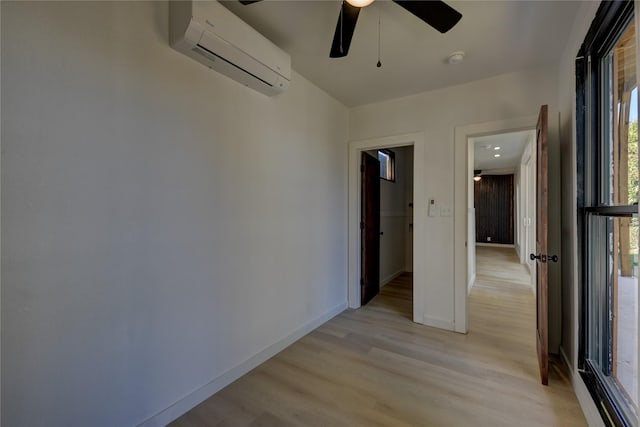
{"x": 246, "y": 2}
{"x": 344, "y": 30}
{"x": 436, "y": 13}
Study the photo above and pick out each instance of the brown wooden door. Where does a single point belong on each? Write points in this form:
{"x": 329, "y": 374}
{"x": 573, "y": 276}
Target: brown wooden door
{"x": 542, "y": 305}
{"x": 370, "y": 228}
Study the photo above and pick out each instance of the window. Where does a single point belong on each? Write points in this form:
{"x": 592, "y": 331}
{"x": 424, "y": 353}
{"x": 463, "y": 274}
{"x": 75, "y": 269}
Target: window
{"x": 387, "y": 160}
{"x": 608, "y": 212}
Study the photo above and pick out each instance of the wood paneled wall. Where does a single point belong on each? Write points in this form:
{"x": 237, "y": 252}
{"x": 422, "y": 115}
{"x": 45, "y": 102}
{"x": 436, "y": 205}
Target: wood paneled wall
{"x": 493, "y": 196}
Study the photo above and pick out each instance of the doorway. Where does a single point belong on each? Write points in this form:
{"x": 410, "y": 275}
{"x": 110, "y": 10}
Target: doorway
{"x": 464, "y": 231}
{"x": 386, "y": 217}
{"x": 464, "y": 241}
{"x": 402, "y": 213}
{"x": 502, "y": 197}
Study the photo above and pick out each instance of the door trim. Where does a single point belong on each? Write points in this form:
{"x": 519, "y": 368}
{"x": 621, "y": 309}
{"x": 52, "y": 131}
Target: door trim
{"x": 417, "y": 140}
{"x": 463, "y": 176}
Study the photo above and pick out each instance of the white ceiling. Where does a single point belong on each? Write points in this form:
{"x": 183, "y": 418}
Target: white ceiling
{"x": 511, "y": 148}
{"x": 497, "y": 36}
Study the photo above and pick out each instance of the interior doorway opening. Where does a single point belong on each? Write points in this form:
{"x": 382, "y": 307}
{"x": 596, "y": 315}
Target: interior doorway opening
{"x": 386, "y": 219}
{"x": 413, "y": 248}
{"x": 502, "y": 197}
{"x": 548, "y": 203}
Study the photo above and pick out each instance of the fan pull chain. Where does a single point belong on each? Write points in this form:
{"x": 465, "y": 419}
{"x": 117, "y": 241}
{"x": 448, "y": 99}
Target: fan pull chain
{"x": 379, "y": 64}
{"x": 341, "y": 26}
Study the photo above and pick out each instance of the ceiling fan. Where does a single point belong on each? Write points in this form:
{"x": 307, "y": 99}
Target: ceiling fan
{"x": 436, "y": 13}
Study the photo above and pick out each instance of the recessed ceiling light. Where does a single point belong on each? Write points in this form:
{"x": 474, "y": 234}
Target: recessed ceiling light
{"x": 496, "y": 155}
{"x": 455, "y": 57}
{"x": 496, "y": 148}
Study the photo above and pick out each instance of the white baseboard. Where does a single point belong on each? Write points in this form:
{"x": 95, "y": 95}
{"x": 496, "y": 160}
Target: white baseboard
{"x": 567, "y": 363}
{"x": 190, "y": 401}
{"x": 439, "y": 323}
{"x": 389, "y": 278}
{"x": 584, "y": 397}
{"x": 470, "y": 284}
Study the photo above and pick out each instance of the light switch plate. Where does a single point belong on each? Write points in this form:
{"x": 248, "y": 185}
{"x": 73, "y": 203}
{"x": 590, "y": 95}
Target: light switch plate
{"x": 432, "y": 209}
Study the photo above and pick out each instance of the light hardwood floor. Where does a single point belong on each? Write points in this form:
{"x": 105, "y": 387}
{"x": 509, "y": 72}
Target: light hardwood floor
{"x": 374, "y": 367}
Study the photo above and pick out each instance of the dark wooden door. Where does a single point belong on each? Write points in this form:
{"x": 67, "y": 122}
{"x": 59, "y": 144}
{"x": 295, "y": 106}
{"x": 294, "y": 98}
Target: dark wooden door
{"x": 542, "y": 304}
{"x": 370, "y": 228}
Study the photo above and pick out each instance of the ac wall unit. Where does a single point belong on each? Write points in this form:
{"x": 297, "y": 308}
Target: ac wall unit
{"x": 209, "y": 33}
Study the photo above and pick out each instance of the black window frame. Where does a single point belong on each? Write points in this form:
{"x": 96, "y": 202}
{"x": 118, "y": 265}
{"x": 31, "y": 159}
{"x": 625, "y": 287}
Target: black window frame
{"x": 610, "y": 21}
{"x": 392, "y": 162}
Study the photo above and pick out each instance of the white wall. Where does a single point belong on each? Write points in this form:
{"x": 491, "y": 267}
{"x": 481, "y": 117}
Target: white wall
{"x": 161, "y": 223}
{"x": 554, "y": 240}
{"x": 393, "y": 218}
{"x": 566, "y": 102}
{"x": 437, "y": 114}
{"x": 521, "y": 180}
{"x": 528, "y": 219}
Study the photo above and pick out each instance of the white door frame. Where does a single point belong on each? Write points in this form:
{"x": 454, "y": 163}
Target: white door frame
{"x": 463, "y": 177}
{"x": 525, "y": 203}
{"x": 529, "y": 167}
{"x": 416, "y": 140}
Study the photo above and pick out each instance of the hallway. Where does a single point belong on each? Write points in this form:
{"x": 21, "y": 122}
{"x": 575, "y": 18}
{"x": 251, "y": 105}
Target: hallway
{"x": 500, "y": 266}
{"x": 374, "y": 367}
